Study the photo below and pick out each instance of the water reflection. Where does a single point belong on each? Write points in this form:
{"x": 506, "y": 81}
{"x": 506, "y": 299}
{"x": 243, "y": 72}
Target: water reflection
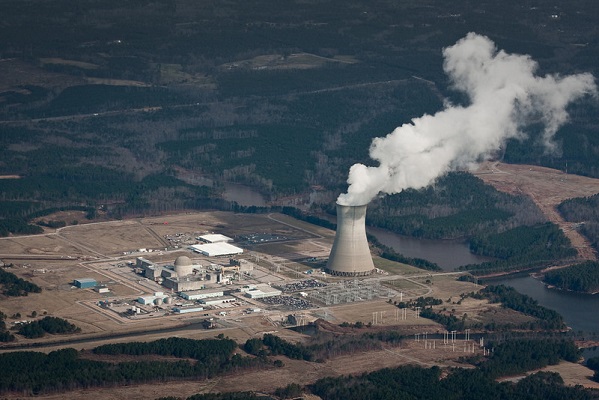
{"x": 243, "y": 195}
{"x": 579, "y": 310}
{"x": 448, "y": 254}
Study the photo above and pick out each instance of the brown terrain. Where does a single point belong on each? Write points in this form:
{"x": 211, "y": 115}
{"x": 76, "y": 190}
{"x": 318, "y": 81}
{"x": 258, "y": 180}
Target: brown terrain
{"x": 547, "y": 188}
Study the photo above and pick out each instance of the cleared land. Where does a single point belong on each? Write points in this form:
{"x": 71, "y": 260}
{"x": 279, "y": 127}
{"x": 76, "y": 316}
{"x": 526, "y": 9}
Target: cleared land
{"x": 547, "y": 188}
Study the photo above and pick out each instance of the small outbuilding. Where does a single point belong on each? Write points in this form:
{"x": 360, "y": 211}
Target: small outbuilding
{"x": 85, "y": 283}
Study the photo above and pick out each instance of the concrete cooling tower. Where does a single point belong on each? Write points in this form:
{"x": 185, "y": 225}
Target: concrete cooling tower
{"x": 350, "y": 255}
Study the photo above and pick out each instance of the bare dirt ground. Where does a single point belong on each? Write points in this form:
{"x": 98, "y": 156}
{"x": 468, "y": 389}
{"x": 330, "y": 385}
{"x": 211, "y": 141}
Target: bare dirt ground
{"x": 572, "y": 373}
{"x": 547, "y": 188}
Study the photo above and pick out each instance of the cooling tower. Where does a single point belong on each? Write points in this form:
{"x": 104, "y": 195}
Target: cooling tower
{"x": 350, "y": 255}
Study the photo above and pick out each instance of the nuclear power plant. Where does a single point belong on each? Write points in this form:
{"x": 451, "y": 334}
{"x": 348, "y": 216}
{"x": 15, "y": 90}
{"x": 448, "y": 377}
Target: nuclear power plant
{"x": 350, "y": 254}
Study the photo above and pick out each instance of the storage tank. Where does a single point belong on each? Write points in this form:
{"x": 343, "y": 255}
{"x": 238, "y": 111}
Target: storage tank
{"x": 168, "y": 300}
{"x": 350, "y": 254}
{"x": 158, "y": 301}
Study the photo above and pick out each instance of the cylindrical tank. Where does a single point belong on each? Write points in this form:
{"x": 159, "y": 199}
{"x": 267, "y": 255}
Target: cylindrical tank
{"x": 350, "y": 254}
{"x": 158, "y": 301}
{"x": 168, "y": 300}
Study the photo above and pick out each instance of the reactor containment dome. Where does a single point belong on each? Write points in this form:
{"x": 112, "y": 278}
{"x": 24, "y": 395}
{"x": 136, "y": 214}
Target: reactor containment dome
{"x": 183, "y": 266}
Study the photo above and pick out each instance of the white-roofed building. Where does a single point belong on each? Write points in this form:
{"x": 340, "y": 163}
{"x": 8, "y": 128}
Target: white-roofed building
{"x": 215, "y": 301}
{"x": 262, "y": 291}
{"x": 185, "y": 310}
{"x": 215, "y": 238}
{"x": 216, "y": 249}
{"x": 202, "y": 294}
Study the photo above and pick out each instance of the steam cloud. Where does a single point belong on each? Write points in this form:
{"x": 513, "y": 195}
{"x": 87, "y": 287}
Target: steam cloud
{"x": 504, "y": 94}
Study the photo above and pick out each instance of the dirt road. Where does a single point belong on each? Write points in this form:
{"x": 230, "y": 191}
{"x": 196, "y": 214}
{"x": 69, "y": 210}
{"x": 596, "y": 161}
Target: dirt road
{"x": 547, "y": 188}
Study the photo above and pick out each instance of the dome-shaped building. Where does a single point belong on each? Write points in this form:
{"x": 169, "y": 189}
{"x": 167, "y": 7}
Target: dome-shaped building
{"x": 183, "y": 266}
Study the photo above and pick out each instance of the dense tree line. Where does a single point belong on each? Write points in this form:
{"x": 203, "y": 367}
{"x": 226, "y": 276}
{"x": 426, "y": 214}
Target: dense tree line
{"x": 593, "y": 363}
{"x": 35, "y": 373}
{"x": 222, "y": 396}
{"x": 18, "y": 226}
{"x": 15, "y": 286}
{"x": 412, "y": 382}
{"x": 277, "y": 346}
{"x": 420, "y": 302}
{"x": 510, "y": 298}
{"x": 521, "y": 248}
{"x": 450, "y": 322}
{"x": 53, "y": 325}
{"x": 584, "y": 211}
{"x": 583, "y": 277}
{"x": 517, "y": 356}
{"x": 213, "y": 350}
{"x": 5, "y": 335}
{"x": 458, "y": 205}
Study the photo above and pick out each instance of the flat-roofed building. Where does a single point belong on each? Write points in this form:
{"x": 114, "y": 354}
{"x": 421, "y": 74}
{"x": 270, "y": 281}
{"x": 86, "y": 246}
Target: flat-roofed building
{"x": 214, "y": 238}
{"x": 214, "y": 301}
{"x": 202, "y": 294}
{"x": 262, "y": 291}
{"x": 85, "y": 283}
{"x": 186, "y": 310}
{"x": 216, "y": 249}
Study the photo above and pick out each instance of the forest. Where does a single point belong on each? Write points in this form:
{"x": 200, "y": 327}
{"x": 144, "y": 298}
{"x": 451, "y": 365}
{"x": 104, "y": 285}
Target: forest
{"x": 508, "y": 358}
{"x": 511, "y": 298}
{"x": 585, "y": 212}
{"x": 29, "y": 372}
{"x": 123, "y": 105}
{"x": 583, "y": 277}
{"x": 14, "y": 286}
{"x": 521, "y": 248}
{"x": 53, "y": 325}
{"x": 457, "y": 205}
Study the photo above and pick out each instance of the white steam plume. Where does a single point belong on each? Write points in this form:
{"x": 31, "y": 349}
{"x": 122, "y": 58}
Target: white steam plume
{"x": 504, "y": 95}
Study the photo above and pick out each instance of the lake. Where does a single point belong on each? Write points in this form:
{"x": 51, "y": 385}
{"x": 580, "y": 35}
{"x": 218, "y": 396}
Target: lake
{"x": 448, "y": 254}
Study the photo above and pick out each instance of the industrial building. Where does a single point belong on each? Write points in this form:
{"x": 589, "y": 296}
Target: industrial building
{"x": 261, "y": 291}
{"x": 215, "y": 301}
{"x": 350, "y": 254}
{"x": 186, "y": 310}
{"x": 216, "y": 249}
{"x": 85, "y": 283}
{"x": 215, "y": 238}
{"x": 202, "y": 294}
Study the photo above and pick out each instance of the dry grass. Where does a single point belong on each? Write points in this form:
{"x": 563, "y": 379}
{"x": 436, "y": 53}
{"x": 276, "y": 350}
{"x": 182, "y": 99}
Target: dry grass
{"x": 547, "y": 188}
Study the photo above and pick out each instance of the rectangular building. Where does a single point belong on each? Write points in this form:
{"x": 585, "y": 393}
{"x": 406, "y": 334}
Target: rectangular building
{"x": 85, "y": 283}
{"x": 262, "y": 291}
{"x": 214, "y": 238}
{"x": 214, "y": 301}
{"x": 202, "y": 294}
{"x": 216, "y": 249}
{"x": 185, "y": 310}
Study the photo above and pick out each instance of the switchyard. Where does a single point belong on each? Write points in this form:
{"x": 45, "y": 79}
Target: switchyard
{"x": 351, "y": 292}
